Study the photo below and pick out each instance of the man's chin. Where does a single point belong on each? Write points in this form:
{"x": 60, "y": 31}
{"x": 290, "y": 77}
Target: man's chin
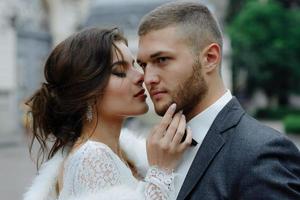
{"x": 161, "y": 109}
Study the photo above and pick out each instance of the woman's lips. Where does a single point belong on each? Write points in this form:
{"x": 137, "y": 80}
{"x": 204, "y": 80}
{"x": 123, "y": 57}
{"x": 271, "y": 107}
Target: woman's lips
{"x": 141, "y": 95}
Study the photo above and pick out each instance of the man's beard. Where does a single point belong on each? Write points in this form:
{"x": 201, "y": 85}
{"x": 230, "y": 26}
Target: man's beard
{"x": 189, "y": 93}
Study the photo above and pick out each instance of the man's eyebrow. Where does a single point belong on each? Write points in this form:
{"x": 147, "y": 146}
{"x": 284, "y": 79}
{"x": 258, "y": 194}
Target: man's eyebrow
{"x": 152, "y": 56}
{"x": 155, "y": 54}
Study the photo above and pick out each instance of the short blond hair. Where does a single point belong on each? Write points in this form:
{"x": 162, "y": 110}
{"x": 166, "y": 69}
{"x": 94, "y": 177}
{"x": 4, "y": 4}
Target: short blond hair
{"x": 196, "y": 23}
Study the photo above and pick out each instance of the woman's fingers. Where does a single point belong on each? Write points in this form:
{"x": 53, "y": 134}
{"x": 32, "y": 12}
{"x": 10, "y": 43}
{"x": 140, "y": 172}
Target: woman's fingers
{"x": 165, "y": 151}
{"x": 171, "y": 131}
{"x": 166, "y": 120}
{"x": 180, "y": 131}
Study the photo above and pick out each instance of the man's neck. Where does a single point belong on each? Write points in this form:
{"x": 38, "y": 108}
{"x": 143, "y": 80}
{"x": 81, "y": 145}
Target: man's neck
{"x": 211, "y": 97}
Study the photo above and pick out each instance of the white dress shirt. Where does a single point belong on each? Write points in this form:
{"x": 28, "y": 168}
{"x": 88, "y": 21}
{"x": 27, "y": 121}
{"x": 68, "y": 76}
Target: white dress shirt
{"x": 200, "y": 125}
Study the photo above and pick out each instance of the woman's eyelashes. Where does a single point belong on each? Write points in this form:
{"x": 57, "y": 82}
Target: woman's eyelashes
{"x": 121, "y": 68}
{"x": 119, "y": 74}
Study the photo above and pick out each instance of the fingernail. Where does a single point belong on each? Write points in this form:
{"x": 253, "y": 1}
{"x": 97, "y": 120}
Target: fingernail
{"x": 180, "y": 112}
{"x": 173, "y": 106}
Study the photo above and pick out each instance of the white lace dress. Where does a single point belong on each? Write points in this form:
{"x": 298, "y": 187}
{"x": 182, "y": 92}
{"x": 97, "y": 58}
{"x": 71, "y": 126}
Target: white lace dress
{"x": 95, "y": 168}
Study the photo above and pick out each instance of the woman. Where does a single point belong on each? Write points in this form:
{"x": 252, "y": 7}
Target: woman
{"x": 92, "y": 86}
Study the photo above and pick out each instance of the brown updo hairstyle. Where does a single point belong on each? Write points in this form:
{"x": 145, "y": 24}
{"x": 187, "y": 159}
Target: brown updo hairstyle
{"x": 76, "y": 73}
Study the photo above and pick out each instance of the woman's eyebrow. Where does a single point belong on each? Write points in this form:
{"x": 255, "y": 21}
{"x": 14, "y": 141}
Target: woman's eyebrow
{"x": 121, "y": 62}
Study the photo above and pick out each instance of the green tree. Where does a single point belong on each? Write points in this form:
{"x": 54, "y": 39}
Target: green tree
{"x": 265, "y": 40}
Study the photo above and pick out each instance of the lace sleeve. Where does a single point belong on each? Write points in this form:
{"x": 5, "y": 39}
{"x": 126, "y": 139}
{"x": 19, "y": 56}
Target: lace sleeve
{"x": 95, "y": 171}
{"x": 159, "y": 184}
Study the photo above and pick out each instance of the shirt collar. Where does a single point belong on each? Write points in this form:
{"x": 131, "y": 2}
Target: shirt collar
{"x": 202, "y": 122}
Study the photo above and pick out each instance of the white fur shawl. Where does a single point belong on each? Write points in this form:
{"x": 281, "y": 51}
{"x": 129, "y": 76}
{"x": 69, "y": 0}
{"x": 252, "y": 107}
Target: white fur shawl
{"x": 43, "y": 186}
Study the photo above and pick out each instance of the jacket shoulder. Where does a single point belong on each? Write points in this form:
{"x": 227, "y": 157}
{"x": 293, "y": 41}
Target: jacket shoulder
{"x": 252, "y": 137}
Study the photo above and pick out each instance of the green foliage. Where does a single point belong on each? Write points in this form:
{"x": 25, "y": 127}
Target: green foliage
{"x": 276, "y": 113}
{"x": 265, "y": 40}
{"x": 292, "y": 124}
{"x": 234, "y": 7}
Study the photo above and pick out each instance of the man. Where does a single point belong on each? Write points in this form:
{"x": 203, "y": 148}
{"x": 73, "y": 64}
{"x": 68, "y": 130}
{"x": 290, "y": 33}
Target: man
{"x": 180, "y": 50}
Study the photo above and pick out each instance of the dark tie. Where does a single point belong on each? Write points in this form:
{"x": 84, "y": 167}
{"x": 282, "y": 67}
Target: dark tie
{"x": 194, "y": 142}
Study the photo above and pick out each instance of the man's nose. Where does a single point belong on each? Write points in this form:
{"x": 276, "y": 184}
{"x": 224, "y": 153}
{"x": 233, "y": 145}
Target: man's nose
{"x": 150, "y": 77}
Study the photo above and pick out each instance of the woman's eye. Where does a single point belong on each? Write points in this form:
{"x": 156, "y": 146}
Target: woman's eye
{"x": 119, "y": 74}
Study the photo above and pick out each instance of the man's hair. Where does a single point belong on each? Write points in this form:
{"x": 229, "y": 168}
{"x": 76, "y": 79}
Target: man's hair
{"x": 196, "y": 23}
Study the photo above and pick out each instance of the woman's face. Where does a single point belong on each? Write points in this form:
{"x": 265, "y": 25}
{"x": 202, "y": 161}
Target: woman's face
{"x": 124, "y": 94}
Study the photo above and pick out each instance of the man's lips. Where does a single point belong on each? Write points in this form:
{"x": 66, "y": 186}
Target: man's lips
{"x": 140, "y": 93}
{"x": 157, "y": 93}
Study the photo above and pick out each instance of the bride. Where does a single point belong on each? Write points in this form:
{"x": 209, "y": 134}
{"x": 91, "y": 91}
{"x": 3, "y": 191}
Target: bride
{"x": 91, "y": 86}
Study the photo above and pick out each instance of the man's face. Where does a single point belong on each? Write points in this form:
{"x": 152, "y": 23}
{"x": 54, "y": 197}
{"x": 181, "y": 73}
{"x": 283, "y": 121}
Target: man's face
{"x": 173, "y": 72}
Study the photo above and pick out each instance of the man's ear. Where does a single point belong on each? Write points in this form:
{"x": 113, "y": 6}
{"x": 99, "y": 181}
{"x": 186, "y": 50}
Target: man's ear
{"x": 211, "y": 57}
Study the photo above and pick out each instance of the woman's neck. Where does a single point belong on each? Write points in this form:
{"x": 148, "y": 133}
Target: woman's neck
{"x": 104, "y": 130}
{"x": 107, "y": 131}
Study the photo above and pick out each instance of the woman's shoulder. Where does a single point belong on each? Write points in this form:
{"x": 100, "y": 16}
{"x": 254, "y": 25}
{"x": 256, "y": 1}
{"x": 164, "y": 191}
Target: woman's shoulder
{"x": 90, "y": 152}
{"x": 91, "y": 168}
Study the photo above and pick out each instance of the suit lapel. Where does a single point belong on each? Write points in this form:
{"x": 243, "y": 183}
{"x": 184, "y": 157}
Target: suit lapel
{"x": 211, "y": 145}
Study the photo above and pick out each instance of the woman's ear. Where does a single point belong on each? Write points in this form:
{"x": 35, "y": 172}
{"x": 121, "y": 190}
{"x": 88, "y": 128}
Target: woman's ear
{"x": 211, "y": 57}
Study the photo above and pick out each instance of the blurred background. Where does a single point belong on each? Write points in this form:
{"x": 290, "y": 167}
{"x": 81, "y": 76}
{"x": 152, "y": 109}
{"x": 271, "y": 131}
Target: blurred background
{"x": 261, "y": 63}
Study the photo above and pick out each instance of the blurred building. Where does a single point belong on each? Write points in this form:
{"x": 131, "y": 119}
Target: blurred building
{"x": 23, "y": 42}
{"x": 30, "y": 28}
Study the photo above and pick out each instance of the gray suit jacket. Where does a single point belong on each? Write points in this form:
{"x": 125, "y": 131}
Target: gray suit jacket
{"x": 242, "y": 159}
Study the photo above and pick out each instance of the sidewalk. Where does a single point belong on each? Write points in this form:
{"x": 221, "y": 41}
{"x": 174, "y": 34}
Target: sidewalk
{"x": 16, "y": 169}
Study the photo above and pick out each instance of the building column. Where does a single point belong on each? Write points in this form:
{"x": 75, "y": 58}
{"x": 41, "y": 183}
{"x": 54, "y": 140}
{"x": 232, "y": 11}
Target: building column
{"x": 8, "y": 87}
{"x": 65, "y": 16}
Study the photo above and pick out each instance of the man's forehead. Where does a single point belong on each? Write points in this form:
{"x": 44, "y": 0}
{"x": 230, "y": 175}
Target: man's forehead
{"x": 147, "y": 53}
{"x": 157, "y": 44}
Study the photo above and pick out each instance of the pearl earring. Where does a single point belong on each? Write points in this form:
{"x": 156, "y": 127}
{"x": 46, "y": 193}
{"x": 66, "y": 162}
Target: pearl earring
{"x": 89, "y": 113}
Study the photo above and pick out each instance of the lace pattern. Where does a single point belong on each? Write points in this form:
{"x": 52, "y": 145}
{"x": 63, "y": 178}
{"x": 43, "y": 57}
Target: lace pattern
{"x": 160, "y": 183}
{"x": 97, "y": 170}
{"x": 91, "y": 169}
{"x": 95, "y": 167}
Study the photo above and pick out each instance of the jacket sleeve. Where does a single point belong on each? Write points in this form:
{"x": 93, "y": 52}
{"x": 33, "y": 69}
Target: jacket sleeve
{"x": 274, "y": 172}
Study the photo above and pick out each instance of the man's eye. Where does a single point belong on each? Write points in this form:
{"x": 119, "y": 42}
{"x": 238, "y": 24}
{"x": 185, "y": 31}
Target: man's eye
{"x": 119, "y": 74}
{"x": 162, "y": 59}
{"x": 142, "y": 65}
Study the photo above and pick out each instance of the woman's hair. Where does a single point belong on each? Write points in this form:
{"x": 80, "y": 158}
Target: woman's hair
{"x": 76, "y": 73}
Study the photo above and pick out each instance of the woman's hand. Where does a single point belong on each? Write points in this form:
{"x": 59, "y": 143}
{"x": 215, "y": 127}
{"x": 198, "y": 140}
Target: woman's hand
{"x": 164, "y": 146}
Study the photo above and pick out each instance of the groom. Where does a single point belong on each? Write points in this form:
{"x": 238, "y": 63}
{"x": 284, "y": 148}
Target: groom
{"x": 180, "y": 50}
